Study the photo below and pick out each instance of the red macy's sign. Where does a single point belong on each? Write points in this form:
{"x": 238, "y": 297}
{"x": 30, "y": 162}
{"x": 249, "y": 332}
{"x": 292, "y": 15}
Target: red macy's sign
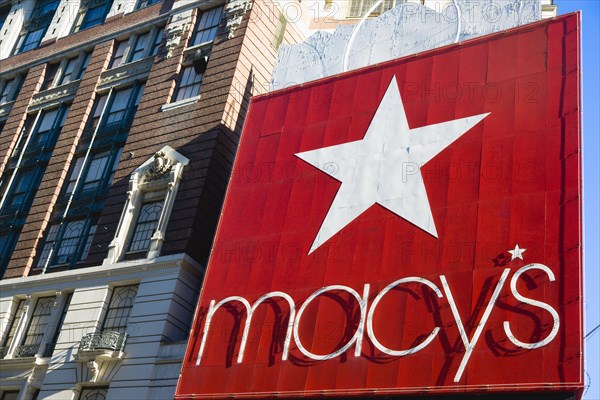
{"x": 413, "y": 227}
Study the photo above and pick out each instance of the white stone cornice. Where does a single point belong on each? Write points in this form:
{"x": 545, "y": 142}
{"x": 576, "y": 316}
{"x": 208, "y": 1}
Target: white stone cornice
{"x": 125, "y": 270}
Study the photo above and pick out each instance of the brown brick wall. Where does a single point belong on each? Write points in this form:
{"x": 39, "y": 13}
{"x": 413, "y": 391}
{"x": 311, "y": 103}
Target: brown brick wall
{"x": 207, "y": 132}
{"x": 58, "y": 166}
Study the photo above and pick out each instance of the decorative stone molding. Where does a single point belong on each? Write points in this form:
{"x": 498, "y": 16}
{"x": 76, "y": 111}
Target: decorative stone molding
{"x": 54, "y": 96}
{"x": 125, "y": 73}
{"x": 175, "y": 30}
{"x": 234, "y": 14}
{"x": 157, "y": 178}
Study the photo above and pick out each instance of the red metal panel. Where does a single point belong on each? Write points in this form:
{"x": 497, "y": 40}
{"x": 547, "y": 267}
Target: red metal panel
{"x": 513, "y": 178}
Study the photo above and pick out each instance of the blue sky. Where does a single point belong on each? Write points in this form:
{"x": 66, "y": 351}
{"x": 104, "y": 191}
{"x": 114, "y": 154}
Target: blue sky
{"x": 591, "y": 167}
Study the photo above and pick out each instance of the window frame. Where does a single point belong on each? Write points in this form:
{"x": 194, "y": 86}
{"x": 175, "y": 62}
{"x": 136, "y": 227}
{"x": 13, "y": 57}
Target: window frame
{"x": 357, "y": 8}
{"x": 145, "y": 237}
{"x": 78, "y": 64}
{"x": 91, "y": 390}
{"x": 10, "y": 332}
{"x": 129, "y": 51}
{"x": 146, "y": 3}
{"x": 83, "y": 21}
{"x": 130, "y": 292}
{"x": 39, "y": 22}
{"x": 54, "y": 236}
{"x": 180, "y": 95}
{"x": 212, "y": 29}
{"x": 10, "y": 94}
{"x": 41, "y": 323}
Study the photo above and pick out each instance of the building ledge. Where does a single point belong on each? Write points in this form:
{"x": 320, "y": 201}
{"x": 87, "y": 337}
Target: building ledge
{"x": 125, "y": 73}
{"x": 55, "y": 95}
{"x": 180, "y": 103}
{"x": 122, "y": 268}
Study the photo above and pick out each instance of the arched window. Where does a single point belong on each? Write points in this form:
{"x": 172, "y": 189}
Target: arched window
{"x": 119, "y": 308}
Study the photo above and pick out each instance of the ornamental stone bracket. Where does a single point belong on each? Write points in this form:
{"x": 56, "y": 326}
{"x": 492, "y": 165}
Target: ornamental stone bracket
{"x": 98, "y": 354}
{"x": 54, "y": 96}
{"x": 125, "y": 73}
{"x": 234, "y": 14}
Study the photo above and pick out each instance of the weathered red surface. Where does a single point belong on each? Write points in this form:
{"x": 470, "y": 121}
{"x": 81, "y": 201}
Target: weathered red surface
{"x": 515, "y": 178}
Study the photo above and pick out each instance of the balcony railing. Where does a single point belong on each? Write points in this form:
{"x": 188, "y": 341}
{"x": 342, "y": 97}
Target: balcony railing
{"x": 108, "y": 340}
{"x": 26, "y": 350}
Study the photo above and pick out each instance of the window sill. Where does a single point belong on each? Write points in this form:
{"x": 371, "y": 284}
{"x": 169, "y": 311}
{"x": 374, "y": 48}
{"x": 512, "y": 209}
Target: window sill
{"x": 180, "y": 103}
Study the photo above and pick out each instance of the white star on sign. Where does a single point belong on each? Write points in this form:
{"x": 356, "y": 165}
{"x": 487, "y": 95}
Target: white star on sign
{"x": 385, "y": 166}
{"x": 516, "y": 253}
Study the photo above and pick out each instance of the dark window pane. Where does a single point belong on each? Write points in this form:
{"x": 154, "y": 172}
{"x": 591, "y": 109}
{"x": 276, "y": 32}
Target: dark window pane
{"x": 72, "y": 238}
{"x": 189, "y": 84}
{"x": 207, "y": 26}
{"x": 39, "y": 321}
{"x": 50, "y": 76}
{"x": 145, "y": 226}
{"x": 14, "y": 324}
{"x": 120, "y": 48}
{"x": 96, "y": 14}
{"x": 67, "y": 74}
{"x": 94, "y": 393}
{"x": 32, "y": 39}
{"x": 141, "y": 43}
{"x": 119, "y": 308}
{"x": 49, "y": 242}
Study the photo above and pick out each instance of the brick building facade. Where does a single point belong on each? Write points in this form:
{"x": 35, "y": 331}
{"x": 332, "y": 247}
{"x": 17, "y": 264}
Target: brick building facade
{"x": 119, "y": 124}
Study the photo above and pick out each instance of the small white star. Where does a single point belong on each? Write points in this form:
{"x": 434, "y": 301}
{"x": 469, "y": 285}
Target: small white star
{"x": 517, "y": 253}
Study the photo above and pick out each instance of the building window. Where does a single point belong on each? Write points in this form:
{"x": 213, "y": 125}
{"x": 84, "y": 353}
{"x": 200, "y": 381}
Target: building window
{"x": 94, "y": 393}
{"x": 146, "y": 3}
{"x": 118, "y": 112}
{"x": 67, "y": 243}
{"x": 140, "y": 47}
{"x": 192, "y": 72}
{"x": 35, "y": 28}
{"x": 358, "y": 8}
{"x": 92, "y": 13}
{"x": 4, "y": 11}
{"x": 98, "y": 173}
{"x": 9, "y": 89}
{"x": 51, "y": 72}
{"x": 120, "y": 48}
{"x": 68, "y": 70}
{"x": 280, "y": 31}
{"x": 153, "y": 187}
{"x": 52, "y": 343}
{"x": 10, "y": 395}
{"x": 146, "y": 226}
{"x": 189, "y": 83}
{"x": 206, "y": 26}
{"x": 12, "y": 329}
{"x": 137, "y": 47}
{"x": 37, "y": 328}
{"x": 49, "y": 125}
{"x": 19, "y": 189}
{"x": 119, "y": 308}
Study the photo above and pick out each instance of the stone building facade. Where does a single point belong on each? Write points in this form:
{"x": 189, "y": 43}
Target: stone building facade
{"x": 119, "y": 123}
